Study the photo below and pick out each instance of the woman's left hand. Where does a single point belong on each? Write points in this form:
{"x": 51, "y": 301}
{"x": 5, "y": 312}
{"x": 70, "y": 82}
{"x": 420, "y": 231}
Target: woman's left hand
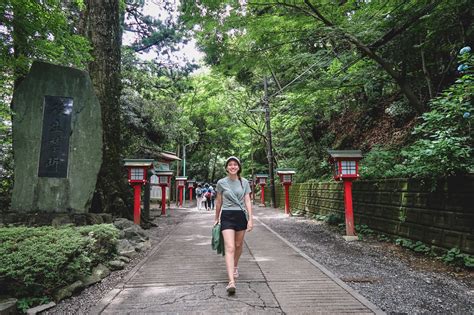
{"x": 249, "y": 225}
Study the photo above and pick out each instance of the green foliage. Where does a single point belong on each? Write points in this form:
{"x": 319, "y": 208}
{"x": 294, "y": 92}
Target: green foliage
{"x": 216, "y": 107}
{"x": 6, "y": 164}
{"x": 280, "y": 40}
{"x": 364, "y": 230}
{"x": 456, "y": 257}
{"x": 150, "y": 114}
{"x": 445, "y": 144}
{"x": 379, "y": 163}
{"x": 36, "y": 261}
{"x": 161, "y": 34}
{"x": 444, "y": 137}
{"x": 417, "y": 246}
{"x": 383, "y": 238}
{"x": 28, "y": 302}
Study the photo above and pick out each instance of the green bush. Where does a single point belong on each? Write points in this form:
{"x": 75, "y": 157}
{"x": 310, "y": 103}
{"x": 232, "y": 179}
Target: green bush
{"x": 456, "y": 257}
{"x": 378, "y": 163}
{"x": 417, "y": 246}
{"x": 36, "y": 261}
{"x": 445, "y": 143}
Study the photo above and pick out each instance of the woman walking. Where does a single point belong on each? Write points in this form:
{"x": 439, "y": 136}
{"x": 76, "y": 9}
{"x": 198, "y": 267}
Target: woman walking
{"x": 234, "y": 212}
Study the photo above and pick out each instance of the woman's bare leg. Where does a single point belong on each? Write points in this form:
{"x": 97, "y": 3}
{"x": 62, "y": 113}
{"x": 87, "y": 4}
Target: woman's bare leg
{"x": 239, "y": 242}
{"x": 229, "y": 245}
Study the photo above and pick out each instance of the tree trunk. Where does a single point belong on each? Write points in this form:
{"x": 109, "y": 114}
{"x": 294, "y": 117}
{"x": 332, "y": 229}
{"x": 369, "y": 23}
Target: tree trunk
{"x": 102, "y": 28}
{"x": 214, "y": 166}
{"x": 426, "y": 73}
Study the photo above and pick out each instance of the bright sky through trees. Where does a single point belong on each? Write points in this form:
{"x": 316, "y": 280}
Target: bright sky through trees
{"x": 186, "y": 52}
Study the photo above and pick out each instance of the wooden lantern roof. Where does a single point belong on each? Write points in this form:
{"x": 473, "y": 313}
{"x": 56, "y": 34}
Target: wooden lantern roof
{"x": 285, "y": 171}
{"x": 138, "y": 162}
{"x": 338, "y": 155}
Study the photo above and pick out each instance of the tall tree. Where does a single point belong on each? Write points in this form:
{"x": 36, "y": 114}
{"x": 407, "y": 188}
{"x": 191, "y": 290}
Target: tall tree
{"x": 102, "y": 27}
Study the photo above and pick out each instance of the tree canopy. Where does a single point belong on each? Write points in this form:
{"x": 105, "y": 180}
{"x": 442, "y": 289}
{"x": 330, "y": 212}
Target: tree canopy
{"x": 386, "y": 77}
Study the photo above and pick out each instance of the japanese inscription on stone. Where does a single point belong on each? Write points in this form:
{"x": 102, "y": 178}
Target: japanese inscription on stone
{"x": 55, "y": 136}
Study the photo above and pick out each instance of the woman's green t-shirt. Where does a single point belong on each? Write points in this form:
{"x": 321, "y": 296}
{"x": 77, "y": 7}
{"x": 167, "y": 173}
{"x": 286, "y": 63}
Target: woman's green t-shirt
{"x": 233, "y": 193}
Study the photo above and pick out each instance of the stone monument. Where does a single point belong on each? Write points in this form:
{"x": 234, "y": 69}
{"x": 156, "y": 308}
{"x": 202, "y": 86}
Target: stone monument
{"x": 57, "y": 141}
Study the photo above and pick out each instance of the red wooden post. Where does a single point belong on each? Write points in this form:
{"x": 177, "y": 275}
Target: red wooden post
{"x": 262, "y": 195}
{"x": 287, "y": 198}
{"x": 190, "y": 194}
{"x": 136, "y": 207}
{"x": 348, "y": 206}
{"x": 180, "y": 196}
{"x": 163, "y": 200}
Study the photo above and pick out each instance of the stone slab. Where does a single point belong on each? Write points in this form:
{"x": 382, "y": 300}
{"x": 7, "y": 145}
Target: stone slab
{"x": 40, "y": 308}
{"x": 71, "y": 189}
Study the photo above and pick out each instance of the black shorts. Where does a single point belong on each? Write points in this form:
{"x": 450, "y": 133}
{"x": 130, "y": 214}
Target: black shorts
{"x": 234, "y": 220}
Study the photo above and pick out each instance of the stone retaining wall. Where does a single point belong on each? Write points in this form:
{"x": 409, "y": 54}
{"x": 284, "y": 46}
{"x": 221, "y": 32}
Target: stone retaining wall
{"x": 399, "y": 207}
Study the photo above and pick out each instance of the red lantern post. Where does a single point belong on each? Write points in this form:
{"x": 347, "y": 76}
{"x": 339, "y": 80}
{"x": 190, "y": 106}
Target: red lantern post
{"x": 346, "y": 168}
{"x": 262, "y": 180}
{"x": 164, "y": 179}
{"x": 181, "y": 183}
{"x": 191, "y": 188}
{"x": 286, "y": 178}
{"x": 137, "y": 171}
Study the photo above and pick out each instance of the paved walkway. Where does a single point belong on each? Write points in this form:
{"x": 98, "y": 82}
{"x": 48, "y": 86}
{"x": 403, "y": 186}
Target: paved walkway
{"x": 183, "y": 275}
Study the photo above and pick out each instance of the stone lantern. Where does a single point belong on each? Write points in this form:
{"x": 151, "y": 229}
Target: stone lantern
{"x": 137, "y": 176}
{"x": 191, "y": 188}
{"x": 181, "y": 183}
{"x": 346, "y": 168}
{"x": 286, "y": 178}
{"x": 164, "y": 180}
{"x": 261, "y": 179}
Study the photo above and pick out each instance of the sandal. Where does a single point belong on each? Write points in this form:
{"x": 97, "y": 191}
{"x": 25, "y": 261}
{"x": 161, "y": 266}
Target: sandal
{"x": 230, "y": 288}
{"x": 236, "y": 272}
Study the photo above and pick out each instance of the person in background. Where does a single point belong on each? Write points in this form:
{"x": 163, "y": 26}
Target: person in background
{"x": 205, "y": 189}
{"x": 234, "y": 212}
{"x": 213, "y": 197}
{"x": 199, "y": 196}
{"x": 208, "y": 195}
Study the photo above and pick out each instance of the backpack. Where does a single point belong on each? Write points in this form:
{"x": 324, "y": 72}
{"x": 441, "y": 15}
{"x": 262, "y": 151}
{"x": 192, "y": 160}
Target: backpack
{"x": 198, "y": 192}
{"x": 208, "y": 195}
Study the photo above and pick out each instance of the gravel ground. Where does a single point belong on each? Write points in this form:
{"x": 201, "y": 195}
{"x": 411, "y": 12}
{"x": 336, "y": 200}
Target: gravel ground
{"x": 80, "y": 304}
{"x": 394, "y": 279}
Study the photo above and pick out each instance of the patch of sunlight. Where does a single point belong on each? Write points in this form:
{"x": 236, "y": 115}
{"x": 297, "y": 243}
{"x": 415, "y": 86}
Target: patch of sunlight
{"x": 257, "y": 259}
{"x": 154, "y": 291}
{"x": 196, "y": 237}
{"x": 203, "y": 243}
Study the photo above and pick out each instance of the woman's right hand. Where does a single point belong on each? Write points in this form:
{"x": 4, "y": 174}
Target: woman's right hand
{"x": 216, "y": 222}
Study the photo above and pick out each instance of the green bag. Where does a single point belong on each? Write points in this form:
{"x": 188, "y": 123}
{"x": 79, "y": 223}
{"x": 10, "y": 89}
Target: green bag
{"x": 217, "y": 242}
